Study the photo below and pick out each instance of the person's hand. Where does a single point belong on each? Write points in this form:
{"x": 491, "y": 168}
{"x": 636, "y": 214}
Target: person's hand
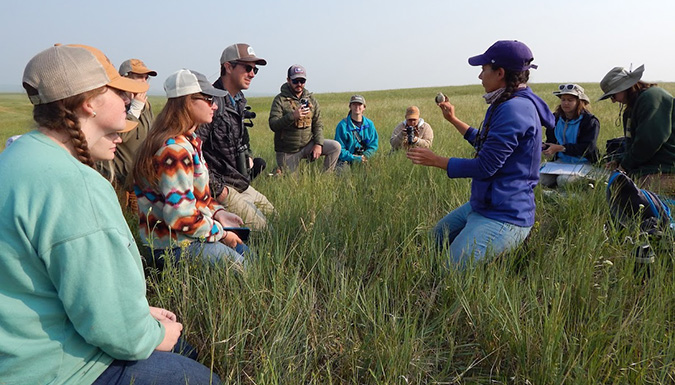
{"x": 363, "y": 159}
{"x": 172, "y": 331}
{"x": 448, "y": 110}
{"x": 250, "y": 162}
{"x": 301, "y": 112}
{"x": 552, "y": 149}
{"x": 612, "y": 165}
{"x": 316, "y": 152}
{"x": 426, "y": 157}
{"x": 227, "y": 219}
{"x": 231, "y": 239}
{"x": 162, "y": 314}
{"x": 141, "y": 96}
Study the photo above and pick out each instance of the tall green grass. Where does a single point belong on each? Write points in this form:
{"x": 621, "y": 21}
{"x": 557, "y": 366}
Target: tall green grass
{"x": 347, "y": 287}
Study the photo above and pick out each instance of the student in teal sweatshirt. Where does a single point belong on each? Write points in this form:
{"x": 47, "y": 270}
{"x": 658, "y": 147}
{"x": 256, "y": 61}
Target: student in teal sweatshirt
{"x": 72, "y": 291}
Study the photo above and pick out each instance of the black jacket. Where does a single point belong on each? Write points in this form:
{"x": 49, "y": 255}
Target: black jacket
{"x": 223, "y": 138}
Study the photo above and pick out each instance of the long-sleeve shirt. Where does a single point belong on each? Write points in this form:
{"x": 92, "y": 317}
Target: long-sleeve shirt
{"x": 180, "y": 208}
{"x": 72, "y": 289}
{"x": 346, "y": 134}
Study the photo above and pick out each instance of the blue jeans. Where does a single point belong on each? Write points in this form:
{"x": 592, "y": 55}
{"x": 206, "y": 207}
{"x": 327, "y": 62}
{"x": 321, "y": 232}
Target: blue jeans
{"x": 213, "y": 252}
{"x": 165, "y": 368}
{"x": 472, "y": 237}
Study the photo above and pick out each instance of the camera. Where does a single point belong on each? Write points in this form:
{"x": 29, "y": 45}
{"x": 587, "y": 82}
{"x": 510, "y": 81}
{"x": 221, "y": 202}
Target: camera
{"x": 410, "y": 133}
{"x": 359, "y": 151}
{"x": 248, "y": 114}
{"x": 304, "y": 102}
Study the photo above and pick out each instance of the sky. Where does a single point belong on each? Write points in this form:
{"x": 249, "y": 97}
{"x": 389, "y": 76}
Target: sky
{"x": 350, "y": 45}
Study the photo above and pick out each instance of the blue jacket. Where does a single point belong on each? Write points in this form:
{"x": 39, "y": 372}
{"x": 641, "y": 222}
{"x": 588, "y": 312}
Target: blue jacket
{"x": 345, "y": 135}
{"x": 506, "y": 170}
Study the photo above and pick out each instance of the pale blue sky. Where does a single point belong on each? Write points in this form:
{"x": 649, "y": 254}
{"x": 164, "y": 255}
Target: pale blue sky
{"x": 350, "y": 45}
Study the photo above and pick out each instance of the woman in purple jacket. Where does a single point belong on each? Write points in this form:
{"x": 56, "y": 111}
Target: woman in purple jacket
{"x": 505, "y": 168}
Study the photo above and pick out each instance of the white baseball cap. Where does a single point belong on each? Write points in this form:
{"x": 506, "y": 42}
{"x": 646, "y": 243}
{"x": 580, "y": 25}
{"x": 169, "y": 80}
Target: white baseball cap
{"x": 188, "y": 82}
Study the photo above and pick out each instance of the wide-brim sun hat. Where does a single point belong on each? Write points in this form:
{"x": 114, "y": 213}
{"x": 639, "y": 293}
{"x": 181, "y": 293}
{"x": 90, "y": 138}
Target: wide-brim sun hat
{"x": 187, "y": 82}
{"x": 619, "y": 79}
{"x": 572, "y": 89}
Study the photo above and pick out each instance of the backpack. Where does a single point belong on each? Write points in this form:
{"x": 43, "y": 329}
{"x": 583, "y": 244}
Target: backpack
{"x": 628, "y": 203}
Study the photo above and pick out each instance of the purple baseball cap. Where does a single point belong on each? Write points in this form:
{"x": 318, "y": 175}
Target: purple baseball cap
{"x": 508, "y": 54}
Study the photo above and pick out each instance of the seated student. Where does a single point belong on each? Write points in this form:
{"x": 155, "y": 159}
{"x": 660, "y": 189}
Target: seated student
{"x": 140, "y": 111}
{"x": 649, "y": 156}
{"x": 412, "y": 132}
{"x": 356, "y": 134}
{"x": 73, "y": 308}
{"x": 573, "y": 139}
{"x": 172, "y": 180}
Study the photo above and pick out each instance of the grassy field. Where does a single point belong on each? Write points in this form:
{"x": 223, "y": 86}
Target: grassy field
{"x": 347, "y": 287}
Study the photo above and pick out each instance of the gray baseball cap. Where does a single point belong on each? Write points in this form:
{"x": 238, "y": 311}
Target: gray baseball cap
{"x": 187, "y": 82}
{"x": 241, "y": 52}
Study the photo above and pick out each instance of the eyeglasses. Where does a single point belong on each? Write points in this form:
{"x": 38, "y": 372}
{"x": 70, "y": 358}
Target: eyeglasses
{"x": 299, "y": 80}
{"x": 248, "y": 67}
{"x": 208, "y": 99}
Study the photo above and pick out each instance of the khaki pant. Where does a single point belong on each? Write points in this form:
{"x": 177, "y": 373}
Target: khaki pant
{"x": 330, "y": 151}
{"x": 250, "y": 205}
{"x": 663, "y": 184}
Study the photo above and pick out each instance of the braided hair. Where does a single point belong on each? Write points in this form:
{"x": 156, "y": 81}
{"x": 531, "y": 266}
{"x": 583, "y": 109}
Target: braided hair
{"x": 513, "y": 80}
{"x": 60, "y": 116}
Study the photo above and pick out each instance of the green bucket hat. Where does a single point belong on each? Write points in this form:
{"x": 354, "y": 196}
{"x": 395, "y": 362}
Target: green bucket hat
{"x": 619, "y": 79}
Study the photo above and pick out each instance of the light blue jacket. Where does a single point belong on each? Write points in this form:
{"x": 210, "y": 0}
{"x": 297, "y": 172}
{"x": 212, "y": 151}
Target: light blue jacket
{"x": 345, "y": 134}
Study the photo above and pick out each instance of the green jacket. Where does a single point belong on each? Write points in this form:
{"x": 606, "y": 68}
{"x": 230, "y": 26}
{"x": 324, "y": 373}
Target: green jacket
{"x": 291, "y": 136}
{"x": 126, "y": 151}
{"x": 650, "y": 135}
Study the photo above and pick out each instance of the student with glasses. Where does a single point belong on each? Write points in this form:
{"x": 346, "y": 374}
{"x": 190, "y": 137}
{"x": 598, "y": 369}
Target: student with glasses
{"x": 649, "y": 128}
{"x": 227, "y": 146}
{"x": 505, "y": 168}
{"x": 573, "y": 140}
{"x": 139, "y": 111}
{"x": 295, "y": 118}
{"x": 171, "y": 179}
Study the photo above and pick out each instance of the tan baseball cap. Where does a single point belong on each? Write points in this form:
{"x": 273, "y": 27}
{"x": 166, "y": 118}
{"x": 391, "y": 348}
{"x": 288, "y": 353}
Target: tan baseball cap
{"x": 136, "y": 66}
{"x": 412, "y": 112}
{"x": 63, "y": 71}
{"x": 241, "y": 52}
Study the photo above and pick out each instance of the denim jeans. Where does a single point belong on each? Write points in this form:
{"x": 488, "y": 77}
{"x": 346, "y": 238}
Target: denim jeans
{"x": 165, "y": 368}
{"x": 213, "y": 252}
{"x": 472, "y": 237}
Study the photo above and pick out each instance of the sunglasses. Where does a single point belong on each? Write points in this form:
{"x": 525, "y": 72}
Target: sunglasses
{"x": 568, "y": 87}
{"x": 248, "y": 67}
{"x": 298, "y": 80}
{"x": 208, "y": 99}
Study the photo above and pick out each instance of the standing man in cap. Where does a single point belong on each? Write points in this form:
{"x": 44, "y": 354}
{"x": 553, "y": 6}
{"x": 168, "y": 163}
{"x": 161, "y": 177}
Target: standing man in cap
{"x": 295, "y": 118}
{"x": 226, "y": 141}
{"x": 356, "y": 134}
{"x": 412, "y": 132}
{"x": 139, "y": 111}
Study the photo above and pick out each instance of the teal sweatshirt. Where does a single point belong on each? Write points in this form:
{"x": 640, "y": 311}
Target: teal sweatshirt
{"x": 72, "y": 290}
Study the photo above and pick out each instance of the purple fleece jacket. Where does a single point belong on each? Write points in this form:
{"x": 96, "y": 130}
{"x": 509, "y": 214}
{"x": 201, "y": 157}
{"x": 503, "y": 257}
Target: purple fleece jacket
{"x": 506, "y": 169}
